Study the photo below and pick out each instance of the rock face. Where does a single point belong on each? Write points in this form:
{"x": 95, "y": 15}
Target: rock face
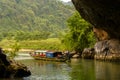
{"x": 108, "y": 50}
{"x": 12, "y": 69}
{"x": 88, "y": 53}
{"x": 104, "y": 15}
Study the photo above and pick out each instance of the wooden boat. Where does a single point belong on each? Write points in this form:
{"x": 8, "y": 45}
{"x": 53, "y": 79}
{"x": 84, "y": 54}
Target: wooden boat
{"x": 48, "y": 55}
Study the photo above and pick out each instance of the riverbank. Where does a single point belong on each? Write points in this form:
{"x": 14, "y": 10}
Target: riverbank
{"x": 49, "y": 44}
{"x": 9, "y": 68}
{"x": 21, "y": 50}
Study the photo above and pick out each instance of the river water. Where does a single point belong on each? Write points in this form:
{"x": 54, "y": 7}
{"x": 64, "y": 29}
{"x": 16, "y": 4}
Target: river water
{"x": 77, "y": 69}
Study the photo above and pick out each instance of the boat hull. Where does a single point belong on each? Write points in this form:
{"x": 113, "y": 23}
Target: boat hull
{"x": 49, "y": 59}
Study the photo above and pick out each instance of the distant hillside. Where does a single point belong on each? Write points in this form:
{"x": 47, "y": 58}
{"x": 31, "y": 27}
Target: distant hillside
{"x": 33, "y": 19}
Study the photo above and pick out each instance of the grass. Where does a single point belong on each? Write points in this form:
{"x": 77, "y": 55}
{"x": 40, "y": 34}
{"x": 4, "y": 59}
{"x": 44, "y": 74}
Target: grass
{"x": 48, "y": 44}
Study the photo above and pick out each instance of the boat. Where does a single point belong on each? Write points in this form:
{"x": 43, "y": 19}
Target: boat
{"x": 48, "y": 55}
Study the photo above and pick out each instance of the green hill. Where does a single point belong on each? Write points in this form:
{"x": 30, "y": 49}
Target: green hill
{"x": 33, "y": 19}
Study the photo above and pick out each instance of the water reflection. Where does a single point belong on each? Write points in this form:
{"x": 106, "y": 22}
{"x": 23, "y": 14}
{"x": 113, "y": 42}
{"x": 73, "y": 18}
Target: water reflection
{"x": 107, "y": 70}
{"x": 43, "y": 70}
{"x": 78, "y": 69}
{"x": 82, "y": 70}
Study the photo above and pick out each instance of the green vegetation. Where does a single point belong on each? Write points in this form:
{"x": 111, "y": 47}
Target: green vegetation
{"x": 41, "y": 24}
{"x": 33, "y": 19}
{"x": 34, "y": 24}
{"x": 48, "y": 44}
{"x": 80, "y": 35}
{"x": 14, "y": 48}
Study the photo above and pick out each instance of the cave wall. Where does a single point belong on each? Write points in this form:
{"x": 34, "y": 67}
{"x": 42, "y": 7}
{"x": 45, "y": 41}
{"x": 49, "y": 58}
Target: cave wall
{"x": 104, "y": 15}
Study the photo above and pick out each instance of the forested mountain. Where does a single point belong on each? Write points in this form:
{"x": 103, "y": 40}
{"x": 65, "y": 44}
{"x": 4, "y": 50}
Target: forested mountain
{"x": 33, "y": 19}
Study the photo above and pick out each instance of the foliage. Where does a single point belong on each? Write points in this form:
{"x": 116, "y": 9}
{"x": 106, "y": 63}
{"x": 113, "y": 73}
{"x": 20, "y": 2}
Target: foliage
{"x": 32, "y": 19}
{"x": 13, "y": 49}
{"x": 80, "y": 34}
{"x": 46, "y": 44}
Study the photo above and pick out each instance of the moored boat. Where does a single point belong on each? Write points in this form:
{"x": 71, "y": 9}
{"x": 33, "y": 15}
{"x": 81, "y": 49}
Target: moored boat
{"x": 48, "y": 55}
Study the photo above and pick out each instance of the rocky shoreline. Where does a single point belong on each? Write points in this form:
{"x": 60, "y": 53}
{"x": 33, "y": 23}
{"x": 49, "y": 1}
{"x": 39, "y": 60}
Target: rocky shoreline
{"x": 10, "y": 68}
{"x": 106, "y": 50}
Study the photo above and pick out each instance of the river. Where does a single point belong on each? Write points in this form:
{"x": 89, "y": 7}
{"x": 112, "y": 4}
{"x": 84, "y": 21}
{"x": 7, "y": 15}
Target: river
{"x": 77, "y": 69}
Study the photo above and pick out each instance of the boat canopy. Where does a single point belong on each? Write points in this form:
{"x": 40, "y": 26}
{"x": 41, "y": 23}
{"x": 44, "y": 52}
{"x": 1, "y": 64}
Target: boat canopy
{"x": 53, "y": 54}
{"x": 45, "y": 53}
{"x": 41, "y": 53}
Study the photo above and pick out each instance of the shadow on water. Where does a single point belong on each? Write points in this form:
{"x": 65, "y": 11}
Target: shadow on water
{"x": 95, "y": 70}
{"x": 107, "y": 70}
{"x": 82, "y": 70}
{"x": 77, "y": 69}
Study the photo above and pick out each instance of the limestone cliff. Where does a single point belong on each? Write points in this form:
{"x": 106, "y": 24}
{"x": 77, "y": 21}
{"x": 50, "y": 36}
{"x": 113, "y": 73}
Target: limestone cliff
{"x": 104, "y": 15}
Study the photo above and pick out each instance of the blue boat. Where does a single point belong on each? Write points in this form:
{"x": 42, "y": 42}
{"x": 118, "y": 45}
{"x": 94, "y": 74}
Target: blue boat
{"x": 48, "y": 55}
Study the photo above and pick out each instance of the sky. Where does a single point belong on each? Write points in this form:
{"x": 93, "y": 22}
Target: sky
{"x": 65, "y": 0}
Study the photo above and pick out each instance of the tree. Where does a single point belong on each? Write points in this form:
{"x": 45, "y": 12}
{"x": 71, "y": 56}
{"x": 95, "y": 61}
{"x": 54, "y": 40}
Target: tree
{"x": 80, "y": 34}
